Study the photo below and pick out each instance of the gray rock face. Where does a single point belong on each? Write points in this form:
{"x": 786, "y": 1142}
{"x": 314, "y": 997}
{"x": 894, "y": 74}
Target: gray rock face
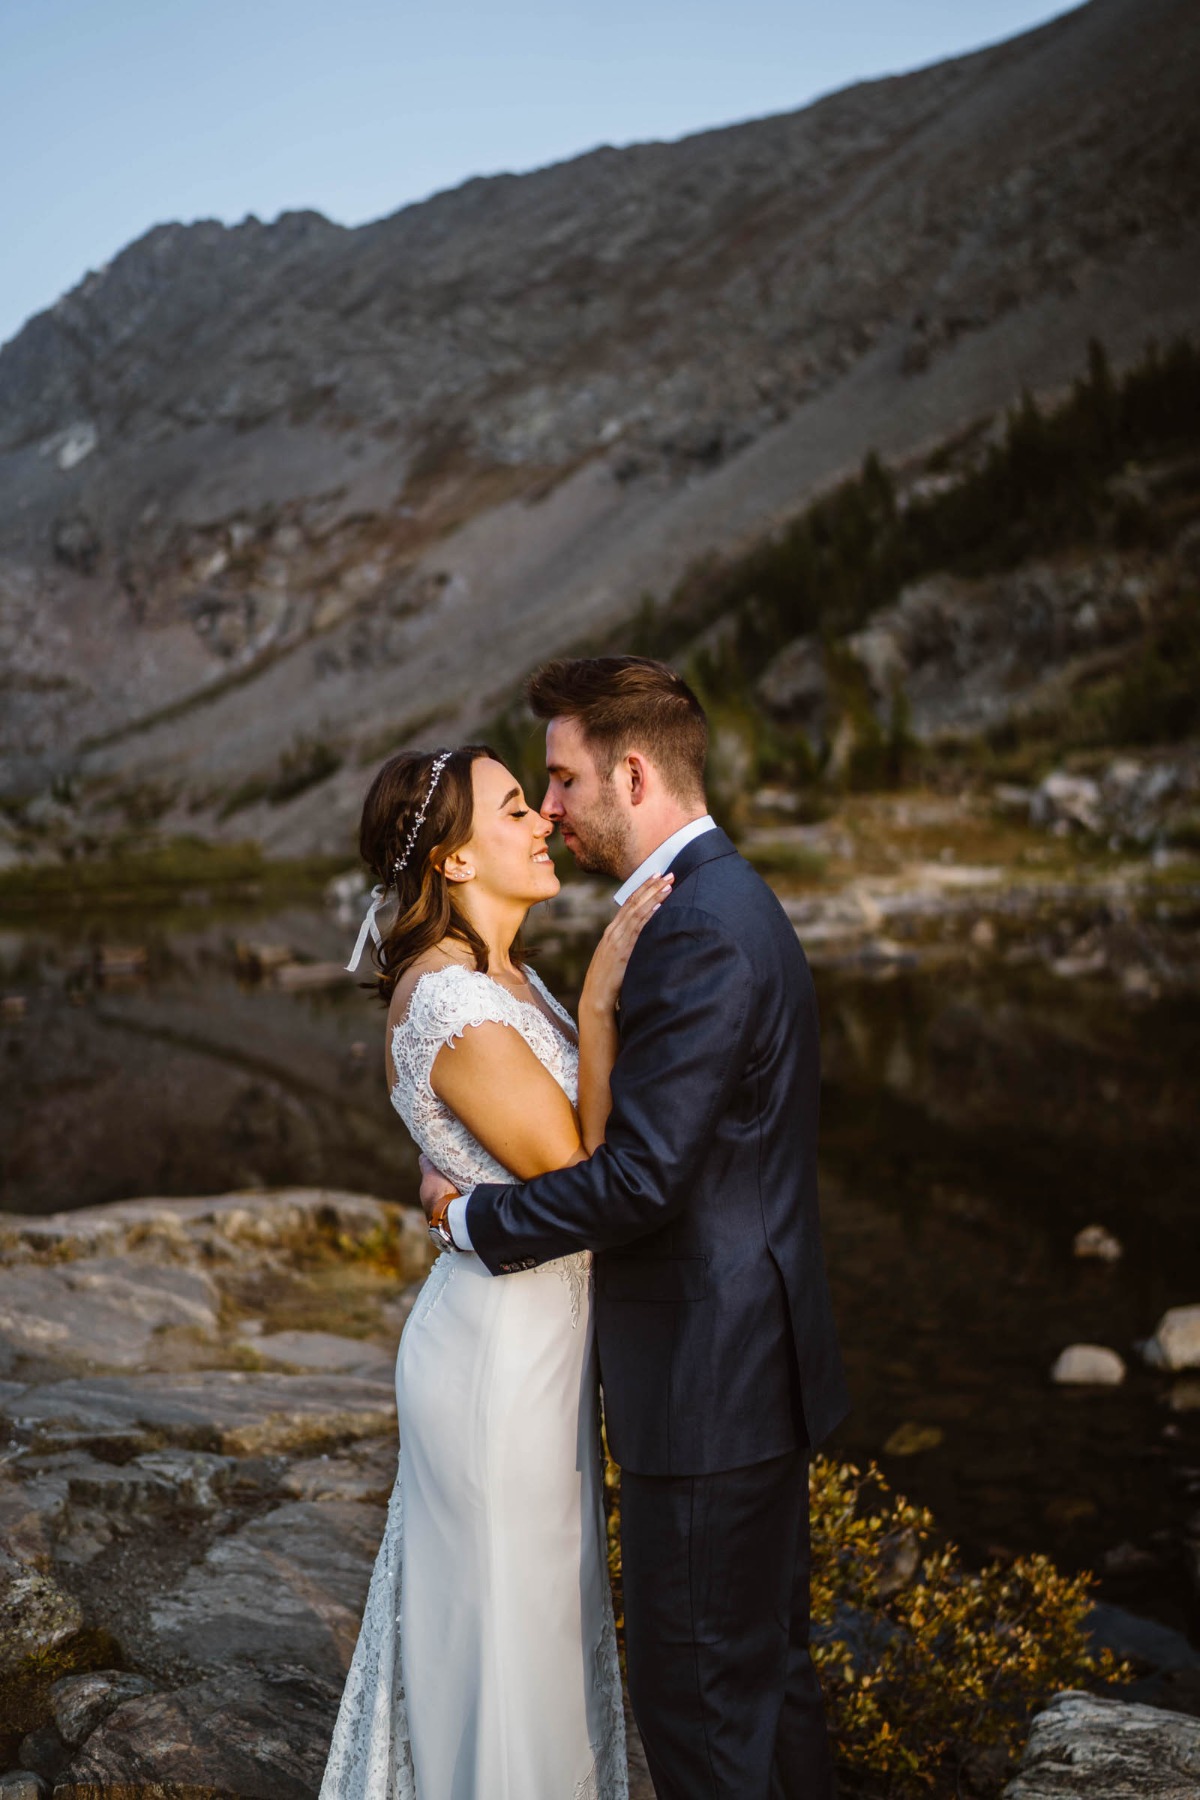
{"x": 796, "y": 686}
{"x": 312, "y": 458}
{"x": 1108, "y": 1750}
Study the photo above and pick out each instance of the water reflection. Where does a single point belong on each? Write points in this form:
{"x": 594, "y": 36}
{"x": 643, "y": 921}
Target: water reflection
{"x": 973, "y": 1121}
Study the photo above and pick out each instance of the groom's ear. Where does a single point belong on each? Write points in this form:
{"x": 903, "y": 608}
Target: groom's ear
{"x": 638, "y": 775}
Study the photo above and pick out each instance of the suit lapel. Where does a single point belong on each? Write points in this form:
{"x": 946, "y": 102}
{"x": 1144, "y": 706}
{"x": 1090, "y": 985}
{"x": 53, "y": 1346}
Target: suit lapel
{"x": 706, "y": 848}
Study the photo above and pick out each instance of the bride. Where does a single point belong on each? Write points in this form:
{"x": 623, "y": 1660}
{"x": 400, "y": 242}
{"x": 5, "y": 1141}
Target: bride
{"x": 486, "y": 1667}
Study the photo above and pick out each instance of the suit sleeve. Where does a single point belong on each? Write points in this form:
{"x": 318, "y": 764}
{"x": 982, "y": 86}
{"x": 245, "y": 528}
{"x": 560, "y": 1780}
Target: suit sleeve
{"x": 686, "y": 1010}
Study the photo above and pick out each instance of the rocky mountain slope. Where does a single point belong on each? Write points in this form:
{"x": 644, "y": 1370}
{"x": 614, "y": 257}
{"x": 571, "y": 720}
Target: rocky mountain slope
{"x": 276, "y": 498}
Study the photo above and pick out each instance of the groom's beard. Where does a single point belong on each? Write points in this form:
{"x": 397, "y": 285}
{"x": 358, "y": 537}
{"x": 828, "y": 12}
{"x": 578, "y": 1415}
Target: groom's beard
{"x": 601, "y": 844}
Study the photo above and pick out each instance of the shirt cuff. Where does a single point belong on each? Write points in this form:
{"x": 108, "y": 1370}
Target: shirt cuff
{"x": 456, "y": 1220}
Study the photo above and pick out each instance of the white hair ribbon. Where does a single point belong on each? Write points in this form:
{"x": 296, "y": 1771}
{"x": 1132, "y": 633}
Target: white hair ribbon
{"x": 369, "y": 925}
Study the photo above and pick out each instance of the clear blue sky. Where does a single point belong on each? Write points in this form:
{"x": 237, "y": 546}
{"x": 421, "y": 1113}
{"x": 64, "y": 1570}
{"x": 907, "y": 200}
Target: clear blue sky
{"x": 116, "y": 115}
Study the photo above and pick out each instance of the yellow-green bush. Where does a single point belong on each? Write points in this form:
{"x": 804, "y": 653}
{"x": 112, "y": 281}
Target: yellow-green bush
{"x": 922, "y": 1661}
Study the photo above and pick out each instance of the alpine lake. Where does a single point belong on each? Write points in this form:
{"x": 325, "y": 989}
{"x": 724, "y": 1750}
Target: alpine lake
{"x": 995, "y": 1080}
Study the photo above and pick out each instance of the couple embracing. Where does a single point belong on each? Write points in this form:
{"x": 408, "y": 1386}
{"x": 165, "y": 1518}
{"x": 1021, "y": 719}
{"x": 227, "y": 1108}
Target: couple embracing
{"x": 628, "y": 1204}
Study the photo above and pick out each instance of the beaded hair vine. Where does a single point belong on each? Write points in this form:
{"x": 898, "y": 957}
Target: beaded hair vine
{"x": 435, "y": 775}
{"x": 383, "y": 896}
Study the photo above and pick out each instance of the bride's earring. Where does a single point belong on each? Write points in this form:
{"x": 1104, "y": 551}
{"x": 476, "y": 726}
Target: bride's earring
{"x": 463, "y": 872}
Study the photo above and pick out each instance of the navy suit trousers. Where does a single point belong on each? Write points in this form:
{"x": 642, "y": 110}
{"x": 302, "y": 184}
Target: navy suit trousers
{"x": 716, "y": 1575}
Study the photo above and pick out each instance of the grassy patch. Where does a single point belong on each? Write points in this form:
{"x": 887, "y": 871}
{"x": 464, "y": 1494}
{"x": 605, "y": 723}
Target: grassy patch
{"x": 24, "y": 1693}
{"x": 156, "y": 877}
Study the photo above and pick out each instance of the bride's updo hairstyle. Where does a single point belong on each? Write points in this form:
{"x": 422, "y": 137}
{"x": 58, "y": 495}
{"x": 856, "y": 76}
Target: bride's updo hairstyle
{"x": 419, "y": 909}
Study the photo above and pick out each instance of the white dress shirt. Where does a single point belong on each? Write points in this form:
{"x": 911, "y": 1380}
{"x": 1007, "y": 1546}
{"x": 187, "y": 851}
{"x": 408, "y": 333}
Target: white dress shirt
{"x": 660, "y": 860}
{"x": 657, "y": 863}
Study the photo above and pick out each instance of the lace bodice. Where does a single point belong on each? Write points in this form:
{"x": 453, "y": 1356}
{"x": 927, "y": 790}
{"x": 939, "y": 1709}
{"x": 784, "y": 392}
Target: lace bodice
{"x": 444, "y": 1004}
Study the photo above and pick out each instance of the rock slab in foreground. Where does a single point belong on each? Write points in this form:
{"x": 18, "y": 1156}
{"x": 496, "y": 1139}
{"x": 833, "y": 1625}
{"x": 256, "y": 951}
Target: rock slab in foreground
{"x": 211, "y": 1409}
{"x": 1082, "y": 1745}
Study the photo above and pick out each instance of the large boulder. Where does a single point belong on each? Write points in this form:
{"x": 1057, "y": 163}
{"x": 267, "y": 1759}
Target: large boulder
{"x": 1098, "y": 1749}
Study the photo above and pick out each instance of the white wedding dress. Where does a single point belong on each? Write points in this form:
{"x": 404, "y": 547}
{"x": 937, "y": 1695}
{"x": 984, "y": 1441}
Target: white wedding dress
{"x": 486, "y": 1667}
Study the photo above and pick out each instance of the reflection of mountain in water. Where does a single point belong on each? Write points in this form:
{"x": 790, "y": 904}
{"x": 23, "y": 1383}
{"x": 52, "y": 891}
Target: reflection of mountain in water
{"x": 189, "y": 1083}
{"x": 1032, "y": 1092}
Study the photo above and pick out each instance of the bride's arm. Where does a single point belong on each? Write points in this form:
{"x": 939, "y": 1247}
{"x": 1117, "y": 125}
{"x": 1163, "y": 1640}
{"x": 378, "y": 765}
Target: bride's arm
{"x": 492, "y": 1081}
{"x": 598, "y": 1039}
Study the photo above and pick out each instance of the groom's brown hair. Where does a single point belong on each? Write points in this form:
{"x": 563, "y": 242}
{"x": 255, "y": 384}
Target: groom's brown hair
{"x": 625, "y": 703}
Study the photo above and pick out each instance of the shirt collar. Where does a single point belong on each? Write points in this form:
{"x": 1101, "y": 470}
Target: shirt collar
{"x": 660, "y": 860}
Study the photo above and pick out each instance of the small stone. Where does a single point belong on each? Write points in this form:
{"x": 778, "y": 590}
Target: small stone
{"x": 324, "y": 1353}
{"x": 23, "y": 1784}
{"x": 1088, "y": 1365}
{"x": 1185, "y": 1395}
{"x": 1097, "y": 1243}
{"x": 910, "y": 1439}
{"x": 310, "y": 975}
{"x": 983, "y": 934}
{"x": 1069, "y": 1510}
{"x": 44, "y": 1752}
{"x": 1127, "y": 1559}
{"x": 261, "y": 959}
{"x": 899, "y": 1560}
{"x": 1074, "y": 968}
{"x": 82, "y": 1702}
{"x": 1065, "y": 800}
{"x": 1176, "y": 1341}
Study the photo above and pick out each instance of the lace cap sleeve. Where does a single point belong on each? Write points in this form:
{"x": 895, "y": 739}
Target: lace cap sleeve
{"x": 444, "y": 1004}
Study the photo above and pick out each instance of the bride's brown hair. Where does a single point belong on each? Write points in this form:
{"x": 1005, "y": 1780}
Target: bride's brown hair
{"x": 425, "y": 909}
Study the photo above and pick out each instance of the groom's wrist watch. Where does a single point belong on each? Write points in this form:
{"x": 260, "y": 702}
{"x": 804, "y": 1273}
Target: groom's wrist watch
{"x": 439, "y": 1224}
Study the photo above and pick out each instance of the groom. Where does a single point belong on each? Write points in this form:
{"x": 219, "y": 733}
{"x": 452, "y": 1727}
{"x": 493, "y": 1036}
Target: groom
{"x": 718, "y": 1355}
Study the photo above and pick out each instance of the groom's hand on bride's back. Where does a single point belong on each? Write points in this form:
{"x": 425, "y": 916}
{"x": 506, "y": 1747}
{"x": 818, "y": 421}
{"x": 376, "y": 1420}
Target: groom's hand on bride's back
{"x": 434, "y": 1186}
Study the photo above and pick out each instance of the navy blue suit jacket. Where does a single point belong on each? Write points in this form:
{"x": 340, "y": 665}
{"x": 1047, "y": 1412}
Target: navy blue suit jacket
{"x": 713, "y": 1319}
